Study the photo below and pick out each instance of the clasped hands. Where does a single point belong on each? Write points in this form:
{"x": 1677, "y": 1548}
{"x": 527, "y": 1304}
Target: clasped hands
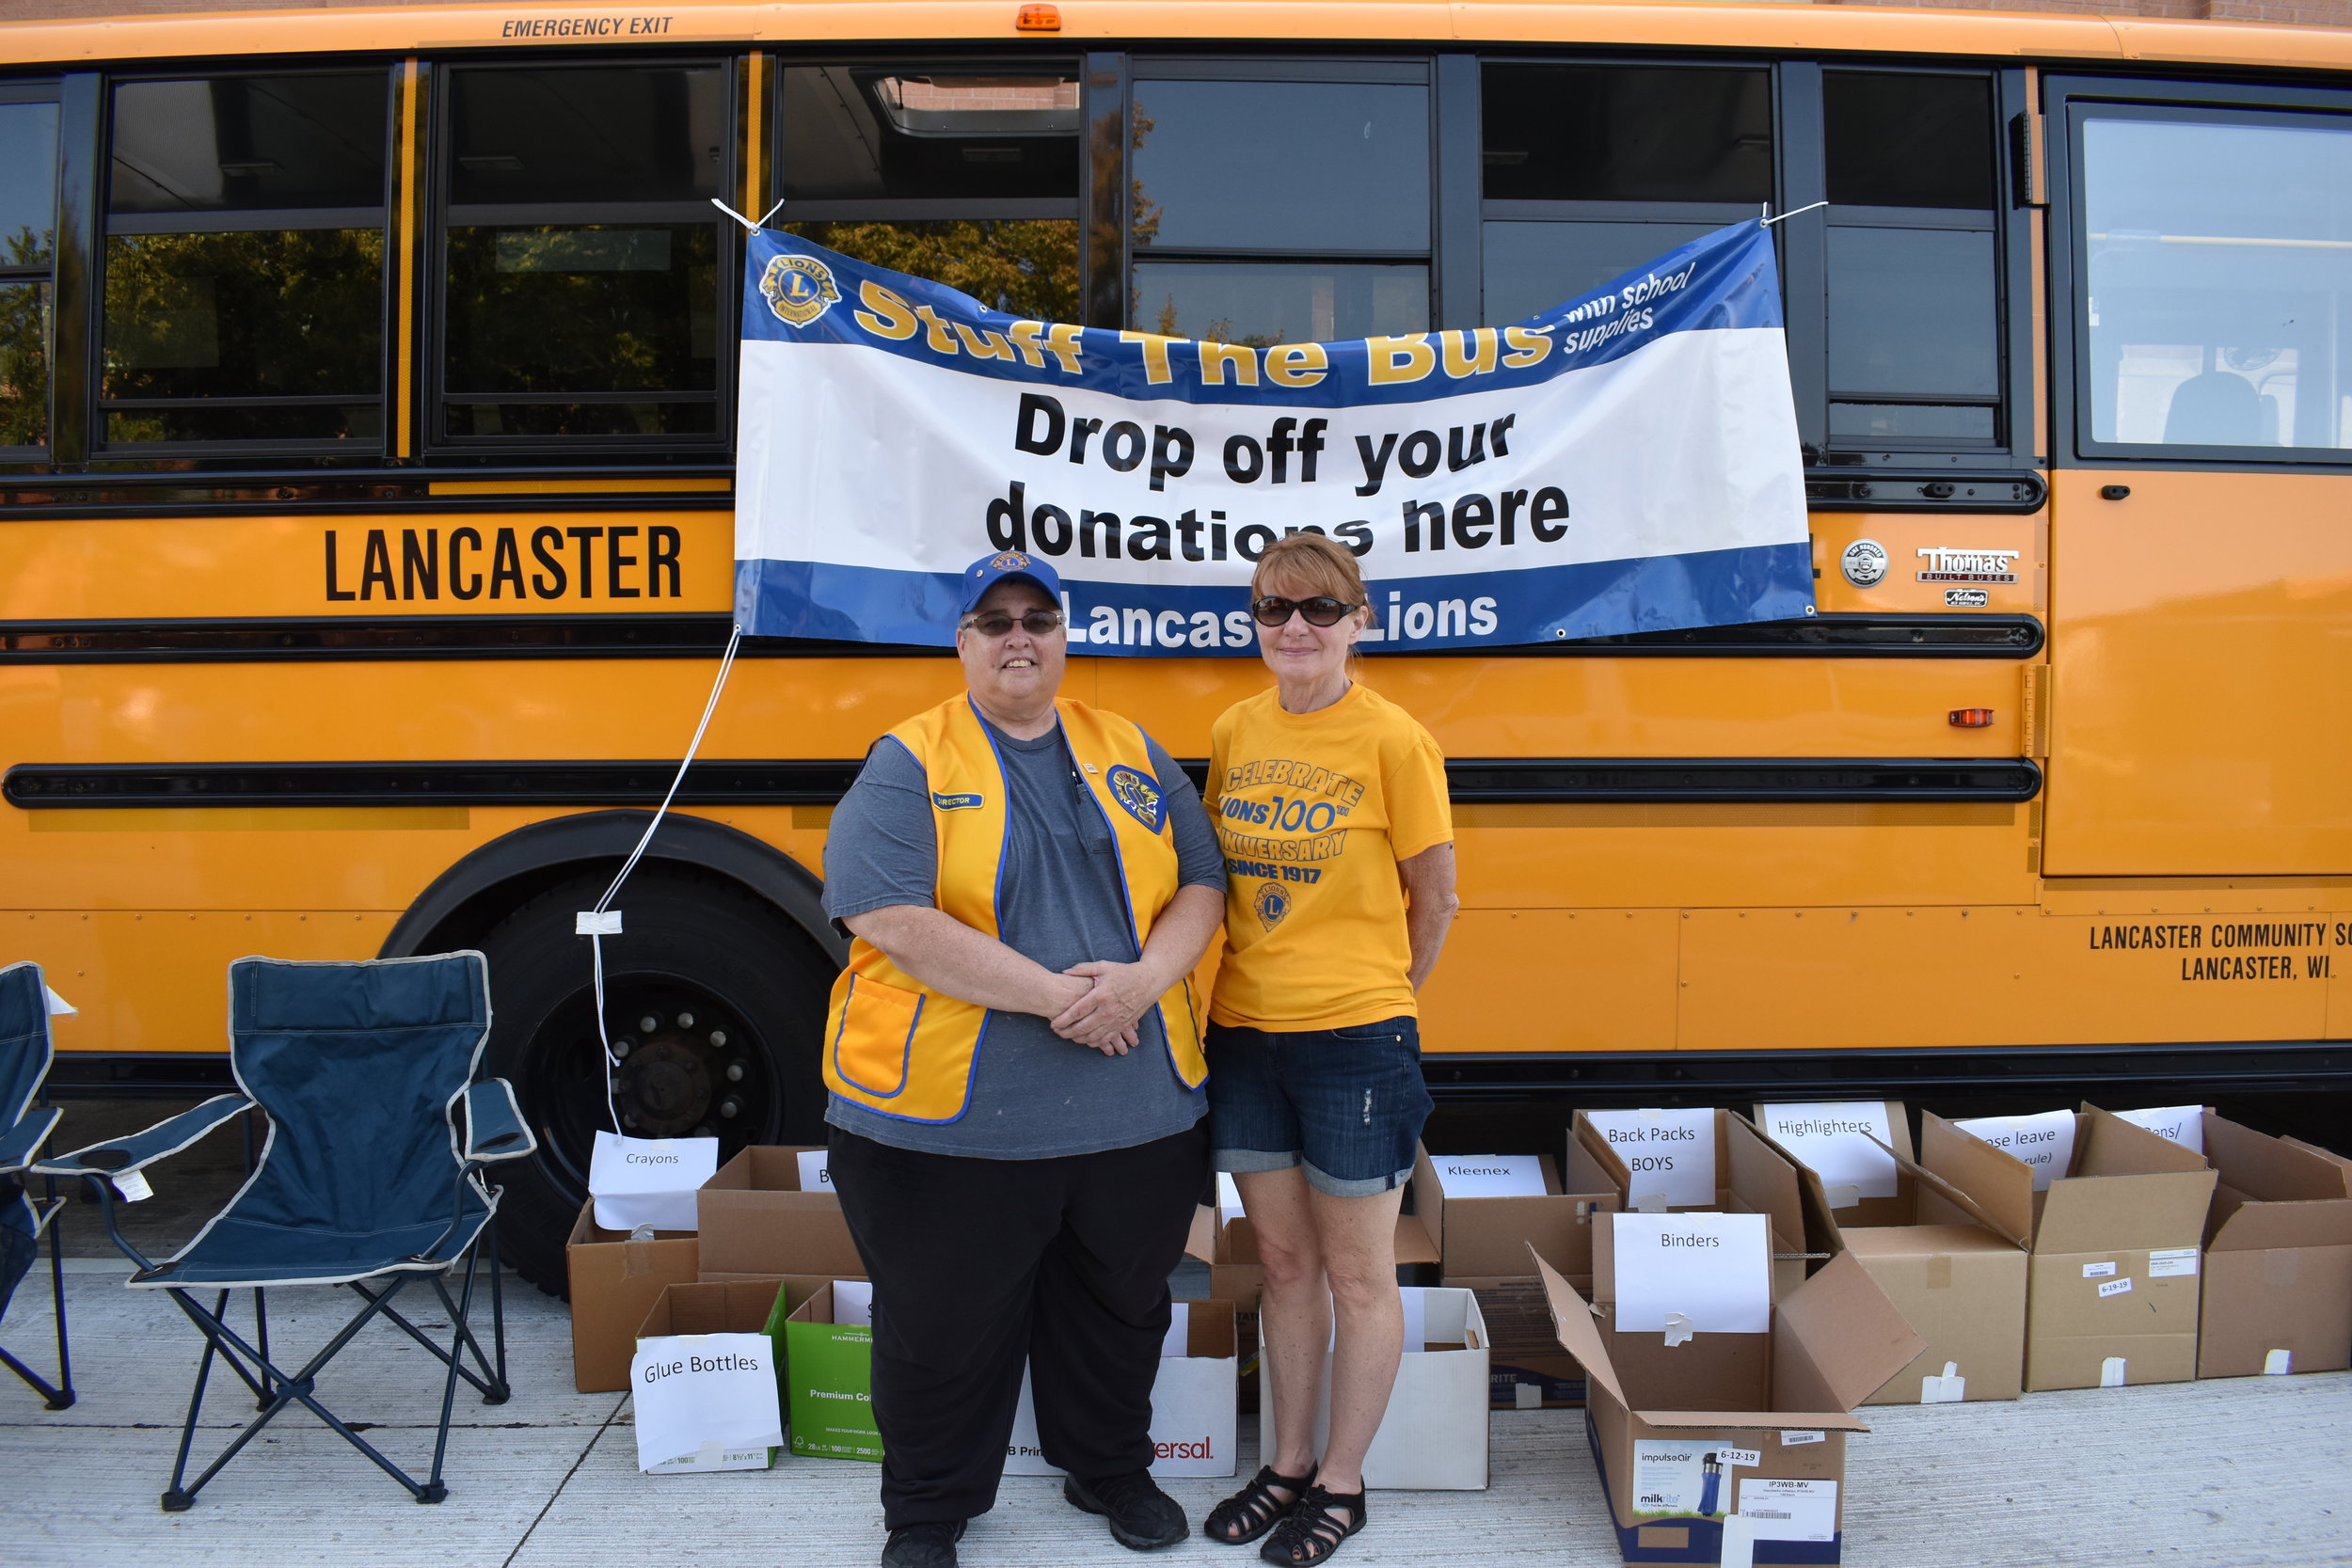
{"x": 1103, "y": 1000}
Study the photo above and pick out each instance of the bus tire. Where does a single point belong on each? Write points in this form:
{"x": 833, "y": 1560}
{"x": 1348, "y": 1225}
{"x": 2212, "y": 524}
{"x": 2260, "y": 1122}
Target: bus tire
{"x": 734, "y": 992}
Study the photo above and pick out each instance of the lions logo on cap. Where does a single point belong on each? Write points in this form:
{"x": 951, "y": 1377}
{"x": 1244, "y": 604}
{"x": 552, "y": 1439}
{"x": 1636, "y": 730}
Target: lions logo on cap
{"x": 1140, "y": 797}
{"x": 1012, "y": 560}
{"x": 1271, "y": 903}
{"x": 799, "y": 289}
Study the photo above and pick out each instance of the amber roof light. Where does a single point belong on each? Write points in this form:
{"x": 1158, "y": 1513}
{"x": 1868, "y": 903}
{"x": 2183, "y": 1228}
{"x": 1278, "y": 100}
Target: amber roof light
{"x": 1038, "y": 19}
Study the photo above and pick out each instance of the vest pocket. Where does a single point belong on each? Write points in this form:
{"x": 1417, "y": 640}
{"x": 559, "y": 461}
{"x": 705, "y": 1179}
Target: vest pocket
{"x": 870, "y": 1048}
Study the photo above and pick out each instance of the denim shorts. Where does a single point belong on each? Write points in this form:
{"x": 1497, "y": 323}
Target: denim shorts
{"x": 1347, "y": 1103}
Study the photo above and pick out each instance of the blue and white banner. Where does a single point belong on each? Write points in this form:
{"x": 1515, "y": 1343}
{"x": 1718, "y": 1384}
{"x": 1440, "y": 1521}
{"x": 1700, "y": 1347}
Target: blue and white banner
{"x": 1625, "y": 462}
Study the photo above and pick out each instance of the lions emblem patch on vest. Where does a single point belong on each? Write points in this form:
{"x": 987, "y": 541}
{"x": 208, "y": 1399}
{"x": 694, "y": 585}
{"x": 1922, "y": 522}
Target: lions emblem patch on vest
{"x": 1271, "y": 903}
{"x": 1139, "y": 795}
{"x": 799, "y": 289}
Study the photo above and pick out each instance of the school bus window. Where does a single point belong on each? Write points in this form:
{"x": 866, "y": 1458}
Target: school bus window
{"x": 28, "y": 220}
{"x": 1271, "y": 301}
{"x": 244, "y": 289}
{"x": 901, "y": 132}
{"x": 1323, "y": 166}
{"x": 1914, "y": 310}
{"x": 1025, "y": 267}
{"x": 1592, "y": 169}
{"x": 583, "y": 257}
{"x": 2219, "y": 304}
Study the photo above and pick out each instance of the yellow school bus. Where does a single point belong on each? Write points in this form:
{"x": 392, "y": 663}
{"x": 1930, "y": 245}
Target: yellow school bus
{"x": 366, "y": 411}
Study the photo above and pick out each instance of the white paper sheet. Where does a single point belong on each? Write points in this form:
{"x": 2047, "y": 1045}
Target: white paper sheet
{"x": 815, "y": 1177}
{"x": 694, "y": 1389}
{"x": 1713, "y": 1269}
{"x": 1790, "y": 1510}
{"x": 1228, "y": 1198}
{"x": 2183, "y": 1124}
{"x": 649, "y": 1181}
{"x": 1834, "y": 1138}
{"x": 1670, "y": 1154}
{"x": 853, "y": 1303}
{"x": 2044, "y": 1141}
{"x": 1489, "y": 1175}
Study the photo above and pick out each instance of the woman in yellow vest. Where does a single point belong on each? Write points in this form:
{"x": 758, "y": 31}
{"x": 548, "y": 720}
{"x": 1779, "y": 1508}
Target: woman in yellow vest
{"x": 1016, "y": 1115}
{"x": 1331, "y": 803}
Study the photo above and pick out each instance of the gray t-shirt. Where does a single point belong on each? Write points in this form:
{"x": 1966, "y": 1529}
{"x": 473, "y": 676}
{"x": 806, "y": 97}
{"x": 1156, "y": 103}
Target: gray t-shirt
{"x": 1034, "y": 1095}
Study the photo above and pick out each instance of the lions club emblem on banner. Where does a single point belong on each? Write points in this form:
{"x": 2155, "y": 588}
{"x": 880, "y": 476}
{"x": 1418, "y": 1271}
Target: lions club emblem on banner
{"x": 1271, "y": 903}
{"x": 1139, "y": 796}
{"x": 799, "y": 289}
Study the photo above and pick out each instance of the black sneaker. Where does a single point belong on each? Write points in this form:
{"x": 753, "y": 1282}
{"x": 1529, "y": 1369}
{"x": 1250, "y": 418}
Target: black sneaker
{"x": 930, "y": 1545}
{"x": 1142, "y": 1516}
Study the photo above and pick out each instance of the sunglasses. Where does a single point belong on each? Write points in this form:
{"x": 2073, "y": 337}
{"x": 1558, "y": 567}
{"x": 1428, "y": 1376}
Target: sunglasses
{"x": 1321, "y": 611}
{"x": 997, "y": 623}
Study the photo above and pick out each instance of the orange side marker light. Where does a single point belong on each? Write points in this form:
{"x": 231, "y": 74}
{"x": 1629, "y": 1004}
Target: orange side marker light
{"x": 1972, "y": 718}
{"x": 1038, "y": 19}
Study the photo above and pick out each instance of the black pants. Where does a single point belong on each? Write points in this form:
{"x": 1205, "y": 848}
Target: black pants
{"x": 980, "y": 1264}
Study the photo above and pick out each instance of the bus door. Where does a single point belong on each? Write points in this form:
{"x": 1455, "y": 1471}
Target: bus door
{"x": 2202, "y": 594}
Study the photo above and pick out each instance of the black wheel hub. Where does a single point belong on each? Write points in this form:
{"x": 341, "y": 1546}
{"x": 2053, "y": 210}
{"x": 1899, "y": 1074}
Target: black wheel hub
{"x": 685, "y": 1063}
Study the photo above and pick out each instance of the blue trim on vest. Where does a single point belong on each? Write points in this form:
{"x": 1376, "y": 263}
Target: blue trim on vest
{"x": 906, "y": 1051}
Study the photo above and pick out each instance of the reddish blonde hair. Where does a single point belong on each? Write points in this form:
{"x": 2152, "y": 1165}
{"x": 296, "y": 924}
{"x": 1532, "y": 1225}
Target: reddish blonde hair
{"x": 1322, "y": 564}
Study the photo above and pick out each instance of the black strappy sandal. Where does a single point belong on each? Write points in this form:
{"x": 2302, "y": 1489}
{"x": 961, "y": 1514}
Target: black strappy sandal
{"x": 1255, "y": 1509}
{"x": 1308, "y": 1533}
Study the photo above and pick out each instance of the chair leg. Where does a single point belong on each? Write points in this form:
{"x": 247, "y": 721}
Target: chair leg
{"x": 62, "y": 1397}
{"x": 179, "y": 1497}
{"x": 291, "y": 1389}
{"x": 497, "y": 1312}
{"x": 260, "y": 1341}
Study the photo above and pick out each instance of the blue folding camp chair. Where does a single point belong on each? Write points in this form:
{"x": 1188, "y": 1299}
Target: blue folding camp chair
{"x": 370, "y": 1178}
{"x": 25, "y": 1053}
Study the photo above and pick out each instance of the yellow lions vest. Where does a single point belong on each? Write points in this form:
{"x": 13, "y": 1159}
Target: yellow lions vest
{"x": 901, "y": 1050}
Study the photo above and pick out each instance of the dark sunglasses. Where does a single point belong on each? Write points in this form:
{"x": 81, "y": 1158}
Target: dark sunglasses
{"x": 1321, "y": 611}
{"x": 997, "y": 623}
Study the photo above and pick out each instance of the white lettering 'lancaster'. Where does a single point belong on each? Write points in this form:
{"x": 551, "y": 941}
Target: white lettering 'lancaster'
{"x": 1949, "y": 566}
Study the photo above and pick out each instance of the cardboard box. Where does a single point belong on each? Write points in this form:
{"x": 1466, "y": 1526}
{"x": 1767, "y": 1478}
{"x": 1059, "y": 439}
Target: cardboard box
{"x": 1751, "y": 1177}
{"x": 2278, "y": 1267}
{"x": 829, "y": 1380}
{"x": 1659, "y": 1415}
{"x": 2112, "y": 1292}
{"x": 1486, "y": 1238}
{"x": 1848, "y": 1206}
{"x": 757, "y": 1223}
{"x": 614, "y": 1283}
{"x": 736, "y": 1307}
{"x": 1955, "y": 1266}
{"x": 1526, "y": 1368}
{"x": 1194, "y": 1420}
{"x": 1432, "y": 1437}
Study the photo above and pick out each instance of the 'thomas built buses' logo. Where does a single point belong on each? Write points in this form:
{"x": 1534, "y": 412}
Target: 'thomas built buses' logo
{"x": 799, "y": 289}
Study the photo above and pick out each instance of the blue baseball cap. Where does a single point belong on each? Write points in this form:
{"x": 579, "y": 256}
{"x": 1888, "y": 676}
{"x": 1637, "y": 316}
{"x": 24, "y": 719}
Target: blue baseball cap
{"x": 1006, "y": 566}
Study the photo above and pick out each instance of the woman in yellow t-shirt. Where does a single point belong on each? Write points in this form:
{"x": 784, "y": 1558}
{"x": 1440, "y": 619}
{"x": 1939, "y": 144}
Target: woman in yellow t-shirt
{"x": 1331, "y": 802}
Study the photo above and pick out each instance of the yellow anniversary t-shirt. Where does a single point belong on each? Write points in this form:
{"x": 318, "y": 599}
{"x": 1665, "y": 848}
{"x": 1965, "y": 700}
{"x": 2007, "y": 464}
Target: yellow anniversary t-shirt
{"x": 1314, "y": 810}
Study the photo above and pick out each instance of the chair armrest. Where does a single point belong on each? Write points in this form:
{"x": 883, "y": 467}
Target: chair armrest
{"x": 495, "y": 1129}
{"x": 118, "y": 1155}
{"x": 17, "y": 1143}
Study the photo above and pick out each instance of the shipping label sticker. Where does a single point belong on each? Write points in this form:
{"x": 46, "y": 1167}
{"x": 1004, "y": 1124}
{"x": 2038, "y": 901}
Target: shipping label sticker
{"x": 2172, "y": 1263}
{"x": 1669, "y": 1154}
{"x": 2098, "y": 1271}
{"x": 1791, "y": 1439}
{"x": 133, "y": 1186}
{"x": 1790, "y": 1510}
{"x": 2115, "y": 1288}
